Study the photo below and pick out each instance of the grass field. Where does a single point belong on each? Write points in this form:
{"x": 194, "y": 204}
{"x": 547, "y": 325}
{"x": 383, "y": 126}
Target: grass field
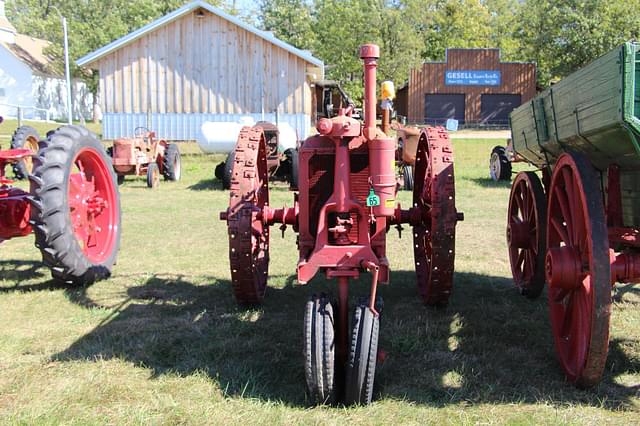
{"x": 163, "y": 342}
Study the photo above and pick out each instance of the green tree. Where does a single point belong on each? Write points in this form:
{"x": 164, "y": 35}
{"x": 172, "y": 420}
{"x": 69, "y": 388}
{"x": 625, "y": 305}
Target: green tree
{"x": 290, "y": 20}
{"x": 564, "y": 35}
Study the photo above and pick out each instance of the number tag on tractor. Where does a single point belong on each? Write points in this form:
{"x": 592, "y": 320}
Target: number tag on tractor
{"x": 373, "y": 200}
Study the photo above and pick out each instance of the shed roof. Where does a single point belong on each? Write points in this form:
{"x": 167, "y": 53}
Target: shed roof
{"x": 129, "y": 38}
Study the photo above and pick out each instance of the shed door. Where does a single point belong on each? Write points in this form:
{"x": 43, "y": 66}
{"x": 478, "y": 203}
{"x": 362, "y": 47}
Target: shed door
{"x": 439, "y": 108}
{"x": 495, "y": 109}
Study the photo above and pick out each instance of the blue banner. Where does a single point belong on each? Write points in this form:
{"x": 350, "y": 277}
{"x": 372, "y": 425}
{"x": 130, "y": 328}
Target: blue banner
{"x": 472, "y": 78}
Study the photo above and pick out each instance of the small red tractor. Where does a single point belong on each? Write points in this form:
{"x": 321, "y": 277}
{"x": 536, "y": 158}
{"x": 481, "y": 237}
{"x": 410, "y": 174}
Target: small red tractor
{"x": 344, "y": 206}
{"x": 144, "y": 155}
{"x": 73, "y": 206}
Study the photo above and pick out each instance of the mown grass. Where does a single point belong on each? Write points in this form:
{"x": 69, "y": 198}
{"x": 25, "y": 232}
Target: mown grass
{"x": 162, "y": 341}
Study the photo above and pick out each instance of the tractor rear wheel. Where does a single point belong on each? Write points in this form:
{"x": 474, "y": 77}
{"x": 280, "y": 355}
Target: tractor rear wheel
{"x": 75, "y": 206}
{"x": 248, "y": 235}
{"x": 363, "y": 356}
{"x": 153, "y": 175}
{"x": 172, "y": 163}
{"x": 25, "y": 137}
{"x": 526, "y": 233}
{"x": 434, "y": 195}
{"x": 319, "y": 350}
{"x": 578, "y": 269}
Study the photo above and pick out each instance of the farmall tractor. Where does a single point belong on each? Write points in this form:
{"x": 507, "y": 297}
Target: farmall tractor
{"x": 73, "y": 206}
{"x": 145, "y": 155}
{"x": 342, "y": 211}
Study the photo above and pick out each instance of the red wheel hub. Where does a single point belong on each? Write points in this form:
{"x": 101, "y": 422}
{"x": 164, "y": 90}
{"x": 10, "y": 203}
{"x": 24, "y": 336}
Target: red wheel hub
{"x": 563, "y": 268}
{"x": 92, "y": 207}
{"x": 519, "y": 235}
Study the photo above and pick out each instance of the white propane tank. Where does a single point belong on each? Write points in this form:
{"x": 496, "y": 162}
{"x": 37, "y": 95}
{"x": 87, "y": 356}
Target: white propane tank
{"x": 221, "y": 137}
{"x": 287, "y": 137}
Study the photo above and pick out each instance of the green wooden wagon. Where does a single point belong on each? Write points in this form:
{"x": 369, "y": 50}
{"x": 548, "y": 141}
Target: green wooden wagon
{"x": 577, "y": 228}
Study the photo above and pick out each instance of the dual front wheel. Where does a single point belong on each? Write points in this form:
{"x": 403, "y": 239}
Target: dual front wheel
{"x": 561, "y": 239}
{"x": 323, "y": 373}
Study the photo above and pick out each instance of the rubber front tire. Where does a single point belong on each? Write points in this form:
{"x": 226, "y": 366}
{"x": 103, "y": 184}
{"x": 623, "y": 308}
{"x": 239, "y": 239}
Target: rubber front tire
{"x": 361, "y": 366}
{"x": 407, "y": 175}
{"x": 153, "y": 176}
{"x": 499, "y": 164}
{"x": 228, "y": 169}
{"x": 172, "y": 163}
{"x": 25, "y": 137}
{"x": 51, "y": 212}
{"x": 319, "y": 350}
{"x": 295, "y": 167}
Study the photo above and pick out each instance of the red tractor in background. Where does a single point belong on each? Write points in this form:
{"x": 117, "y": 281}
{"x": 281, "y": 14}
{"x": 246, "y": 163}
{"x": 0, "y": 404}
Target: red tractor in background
{"x": 73, "y": 205}
{"x": 144, "y": 155}
{"x": 344, "y": 206}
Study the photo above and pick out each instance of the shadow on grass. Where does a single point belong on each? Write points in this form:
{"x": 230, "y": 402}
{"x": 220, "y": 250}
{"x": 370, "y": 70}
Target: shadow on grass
{"x": 488, "y": 346}
{"x": 19, "y": 271}
{"x": 207, "y": 185}
{"x": 490, "y": 183}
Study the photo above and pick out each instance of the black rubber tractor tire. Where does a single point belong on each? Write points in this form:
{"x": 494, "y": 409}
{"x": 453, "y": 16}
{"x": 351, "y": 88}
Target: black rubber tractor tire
{"x": 50, "y": 216}
{"x": 228, "y": 169}
{"x": 218, "y": 172}
{"x": 319, "y": 350}
{"x": 153, "y": 175}
{"x": 19, "y": 139}
{"x": 172, "y": 163}
{"x": 120, "y": 179}
{"x": 295, "y": 167}
{"x": 407, "y": 175}
{"x": 499, "y": 164}
{"x": 363, "y": 356}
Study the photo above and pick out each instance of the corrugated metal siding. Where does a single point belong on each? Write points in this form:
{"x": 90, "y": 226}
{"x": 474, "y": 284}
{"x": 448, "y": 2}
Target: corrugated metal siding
{"x": 516, "y": 78}
{"x": 204, "y": 65}
{"x": 184, "y": 127}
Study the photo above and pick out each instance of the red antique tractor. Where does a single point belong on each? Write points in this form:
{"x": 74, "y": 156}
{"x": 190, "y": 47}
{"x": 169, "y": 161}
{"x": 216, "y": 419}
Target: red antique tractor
{"x": 144, "y": 155}
{"x": 342, "y": 211}
{"x": 73, "y": 206}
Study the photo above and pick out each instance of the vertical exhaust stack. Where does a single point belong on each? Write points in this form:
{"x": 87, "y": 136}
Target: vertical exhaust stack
{"x": 369, "y": 53}
{"x": 382, "y": 149}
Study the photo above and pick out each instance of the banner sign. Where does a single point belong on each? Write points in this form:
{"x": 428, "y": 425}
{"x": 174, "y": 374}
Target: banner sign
{"x": 472, "y": 78}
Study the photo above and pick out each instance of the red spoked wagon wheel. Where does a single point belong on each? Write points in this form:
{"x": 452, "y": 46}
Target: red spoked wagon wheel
{"x": 526, "y": 233}
{"x": 434, "y": 196}
{"x": 248, "y": 235}
{"x": 578, "y": 270}
{"x": 76, "y": 206}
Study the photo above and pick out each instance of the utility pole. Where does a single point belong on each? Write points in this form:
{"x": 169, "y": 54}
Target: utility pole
{"x": 66, "y": 66}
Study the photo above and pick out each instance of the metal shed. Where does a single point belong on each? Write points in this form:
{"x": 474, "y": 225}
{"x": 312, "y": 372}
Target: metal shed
{"x": 199, "y": 64}
{"x": 472, "y": 86}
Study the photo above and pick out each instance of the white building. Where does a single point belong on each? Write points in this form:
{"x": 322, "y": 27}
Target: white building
{"x": 201, "y": 64}
{"x": 28, "y": 81}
